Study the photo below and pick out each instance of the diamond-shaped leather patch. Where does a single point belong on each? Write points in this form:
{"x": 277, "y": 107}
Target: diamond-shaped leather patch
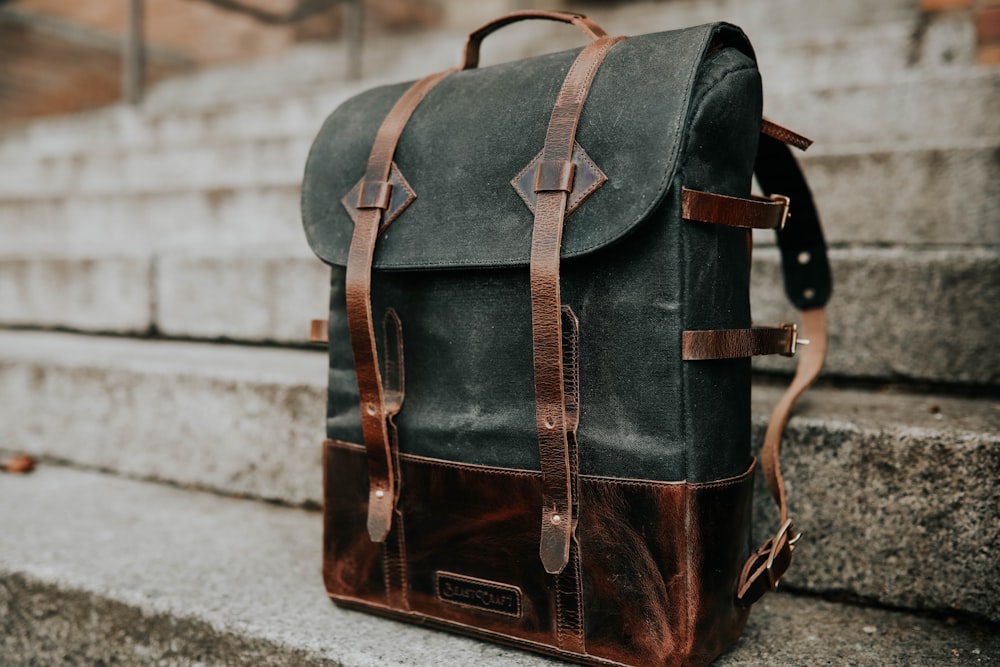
{"x": 402, "y": 196}
{"x": 588, "y": 178}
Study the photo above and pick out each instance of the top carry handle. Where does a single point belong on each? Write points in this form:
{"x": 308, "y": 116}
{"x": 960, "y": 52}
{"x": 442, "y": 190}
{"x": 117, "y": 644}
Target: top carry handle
{"x": 476, "y": 37}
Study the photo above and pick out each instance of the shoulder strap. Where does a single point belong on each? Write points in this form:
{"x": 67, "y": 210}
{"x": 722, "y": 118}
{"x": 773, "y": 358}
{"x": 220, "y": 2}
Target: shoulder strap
{"x": 808, "y": 284}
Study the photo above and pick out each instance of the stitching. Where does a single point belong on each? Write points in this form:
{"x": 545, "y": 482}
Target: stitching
{"x": 597, "y": 479}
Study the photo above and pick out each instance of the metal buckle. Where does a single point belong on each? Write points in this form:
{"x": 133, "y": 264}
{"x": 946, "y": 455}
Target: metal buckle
{"x": 785, "y": 203}
{"x": 794, "y": 537}
{"x": 793, "y": 330}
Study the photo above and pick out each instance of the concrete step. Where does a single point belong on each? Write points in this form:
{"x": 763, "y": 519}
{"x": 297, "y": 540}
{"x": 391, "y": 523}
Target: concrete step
{"x": 248, "y": 192}
{"x": 886, "y": 486}
{"x": 924, "y": 315}
{"x": 141, "y": 222}
{"x": 130, "y": 573}
{"x": 829, "y": 51}
{"x": 899, "y": 314}
{"x": 85, "y": 293}
{"x": 800, "y": 90}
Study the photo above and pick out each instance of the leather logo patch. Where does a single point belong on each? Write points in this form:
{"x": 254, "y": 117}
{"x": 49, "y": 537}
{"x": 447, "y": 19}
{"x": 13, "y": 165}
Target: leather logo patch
{"x": 479, "y": 593}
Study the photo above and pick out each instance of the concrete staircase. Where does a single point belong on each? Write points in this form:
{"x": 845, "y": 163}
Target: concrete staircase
{"x": 175, "y": 229}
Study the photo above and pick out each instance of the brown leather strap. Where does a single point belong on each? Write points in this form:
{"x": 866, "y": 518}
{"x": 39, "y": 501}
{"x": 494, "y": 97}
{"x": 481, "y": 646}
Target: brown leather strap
{"x": 764, "y": 569}
{"x": 558, "y": 521}
{"x": 319, "y": 331}
{"x": 754, "y": 213}
{"x": 739, "y": 343}
{"x": 784, "y": 135}
{"x": 476, "y": 37}
{"x": 373, "y": 198}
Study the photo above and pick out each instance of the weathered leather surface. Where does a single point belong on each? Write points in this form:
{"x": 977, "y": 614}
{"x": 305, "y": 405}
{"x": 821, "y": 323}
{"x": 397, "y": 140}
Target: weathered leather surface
{"x": 658, "y": 561}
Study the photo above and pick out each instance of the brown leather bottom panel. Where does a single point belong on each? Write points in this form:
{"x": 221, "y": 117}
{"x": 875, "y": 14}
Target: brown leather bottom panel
{"x": 651, "y": 579}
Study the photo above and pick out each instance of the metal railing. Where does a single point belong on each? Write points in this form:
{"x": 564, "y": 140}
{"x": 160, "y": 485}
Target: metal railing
{"x": 134, "y": 39}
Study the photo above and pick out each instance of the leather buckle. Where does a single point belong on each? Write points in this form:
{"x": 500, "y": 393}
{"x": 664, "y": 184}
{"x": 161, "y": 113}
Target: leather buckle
{"x": 793, "y": 338}
{"x": 785, "y": 204}
{"x": 786, "y": 532}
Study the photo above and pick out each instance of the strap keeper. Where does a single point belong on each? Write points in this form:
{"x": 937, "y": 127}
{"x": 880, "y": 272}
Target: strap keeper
{"x": 375, "y": 195}
{"x": 556, "y": 176}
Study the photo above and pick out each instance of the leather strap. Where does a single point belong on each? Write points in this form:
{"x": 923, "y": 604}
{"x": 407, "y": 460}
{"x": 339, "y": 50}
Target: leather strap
{"x": 739, "y": 343}
{"x": 476, "y": 37}
{"x": 768, "y": 564}
{"x": 808, "y": 283}
{"x": 552, "y": 189}
{"x": 319, "y": 331}
{"x": 373, "y": 199}
{"x": 754, "y": 213}
{"x": 771, "y": 129}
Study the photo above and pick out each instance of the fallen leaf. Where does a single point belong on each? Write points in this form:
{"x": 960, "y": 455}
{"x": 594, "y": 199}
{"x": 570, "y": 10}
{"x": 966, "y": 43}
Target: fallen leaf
{"x": 19, "y": 465}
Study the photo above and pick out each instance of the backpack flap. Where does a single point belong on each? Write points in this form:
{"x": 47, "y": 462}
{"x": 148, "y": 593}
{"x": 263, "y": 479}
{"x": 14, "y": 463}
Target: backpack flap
{"x": 479, "y": 129}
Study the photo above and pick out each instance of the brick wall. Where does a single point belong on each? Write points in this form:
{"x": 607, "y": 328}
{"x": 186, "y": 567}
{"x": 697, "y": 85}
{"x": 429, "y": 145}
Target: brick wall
{"x": 44, "y": 72}
{"x": 986, "y": 14}
{"x": 41, "y": 74}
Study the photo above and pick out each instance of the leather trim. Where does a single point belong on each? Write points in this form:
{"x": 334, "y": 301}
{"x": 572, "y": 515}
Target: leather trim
{"x": 470, "y": 59}
{"x": 754, "y": 213}
{"x": 784, "y": 135}
{"x": 546, "y": 315}
{"x": 401, "y": 195}
{"x": 588, "y": 177}
{"x": 379, "y": 433}
{"x": 661, "y": 556}
{"x": 737, "y": 343}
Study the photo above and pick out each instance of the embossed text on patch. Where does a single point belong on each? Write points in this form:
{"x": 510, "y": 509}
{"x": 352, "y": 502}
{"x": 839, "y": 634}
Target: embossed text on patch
{"x": 479, "y": 593}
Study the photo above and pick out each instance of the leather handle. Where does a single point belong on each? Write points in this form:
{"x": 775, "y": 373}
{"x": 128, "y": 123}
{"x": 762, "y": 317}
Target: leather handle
{"x": 476, "y": 37}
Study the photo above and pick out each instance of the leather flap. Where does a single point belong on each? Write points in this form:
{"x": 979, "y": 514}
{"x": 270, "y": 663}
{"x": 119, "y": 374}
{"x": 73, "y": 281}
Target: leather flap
{"x": 479, "y": 128}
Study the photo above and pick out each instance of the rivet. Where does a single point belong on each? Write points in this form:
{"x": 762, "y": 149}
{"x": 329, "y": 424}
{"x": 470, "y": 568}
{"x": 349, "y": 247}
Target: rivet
{"x": 804, "y": 257}
{"x": 549, "y": 423}
{"x": 809, "y": 292}
{"x": 556, "y": 519}
{"x": 380, "y": 493}
{"x": 371, "y": 409}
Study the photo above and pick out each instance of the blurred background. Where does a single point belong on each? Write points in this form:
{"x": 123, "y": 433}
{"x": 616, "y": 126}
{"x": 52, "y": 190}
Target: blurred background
{"x": 156, "y": 291}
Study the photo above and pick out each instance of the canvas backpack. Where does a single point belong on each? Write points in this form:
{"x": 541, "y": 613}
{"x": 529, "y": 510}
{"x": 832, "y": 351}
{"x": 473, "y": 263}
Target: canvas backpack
{"x": 539, "y": 339}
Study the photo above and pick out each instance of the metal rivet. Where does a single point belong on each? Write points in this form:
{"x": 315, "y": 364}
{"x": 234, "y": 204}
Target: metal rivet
{"x": 380, "y": 493}
{"x": 556, "y": 519}
{"x": 371, "y": 409}
{"x": 804, "y": 257}
{"x": 809, "y": 292}
{"x": 549, "y": 423}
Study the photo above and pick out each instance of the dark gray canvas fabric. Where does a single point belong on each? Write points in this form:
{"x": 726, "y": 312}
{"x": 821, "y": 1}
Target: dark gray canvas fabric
{"x": 667, "y": 110}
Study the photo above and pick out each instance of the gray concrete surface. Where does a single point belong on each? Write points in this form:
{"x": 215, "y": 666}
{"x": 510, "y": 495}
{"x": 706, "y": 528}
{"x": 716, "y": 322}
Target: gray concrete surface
{"x": 140, "y": 223}
{"x": 249, "y": 294}
{"x": 96, "y": 569}
{"x": 848, "y": 109}
{"x": 910, "y": 196}
{"x": 899, "y": 314}
{"x": 886, "y": 485}
{"x": 896, "y": 495}
{"x": 206, "y": 194}
{"x": 102, "y": 293}
{"x": 240, "y": 420}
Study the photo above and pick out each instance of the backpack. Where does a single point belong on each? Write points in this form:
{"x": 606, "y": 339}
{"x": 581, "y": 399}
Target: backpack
{"x": 561, "y": 460}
